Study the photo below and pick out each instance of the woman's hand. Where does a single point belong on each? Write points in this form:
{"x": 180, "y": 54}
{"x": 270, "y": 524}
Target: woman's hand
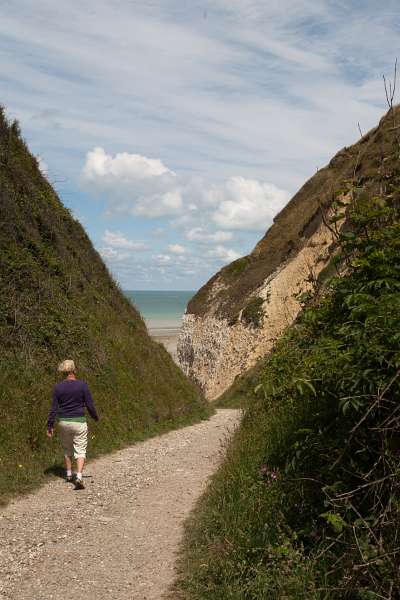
{"x": 50, "y": 432}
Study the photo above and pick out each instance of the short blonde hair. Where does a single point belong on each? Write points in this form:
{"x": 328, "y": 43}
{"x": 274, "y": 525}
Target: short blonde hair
{"x": 67, "y": 366}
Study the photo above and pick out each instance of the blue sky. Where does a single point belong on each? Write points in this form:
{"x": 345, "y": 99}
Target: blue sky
{"x": 175, "y": 130}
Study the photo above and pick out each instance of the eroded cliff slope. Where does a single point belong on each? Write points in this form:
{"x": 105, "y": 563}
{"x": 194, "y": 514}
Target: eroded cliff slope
{"x": 237, "y": 316}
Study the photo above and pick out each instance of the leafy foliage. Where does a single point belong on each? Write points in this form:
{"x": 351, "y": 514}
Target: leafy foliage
{"x": 325, "y": 421}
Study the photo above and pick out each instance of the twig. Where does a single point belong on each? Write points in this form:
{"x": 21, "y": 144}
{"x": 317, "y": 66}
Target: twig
{"x": 371, "y": 408}
{"x": 374, "y": 560}
{"x": 325, "y": 550}
{"x": 390, "y": 93}
{"x": 361, "y": 487}
{"x": 327, "y": 224}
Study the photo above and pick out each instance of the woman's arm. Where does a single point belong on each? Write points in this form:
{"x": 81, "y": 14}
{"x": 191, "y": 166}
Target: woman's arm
{"x": 53, "y": 412}
{"x": 89, "y": 403}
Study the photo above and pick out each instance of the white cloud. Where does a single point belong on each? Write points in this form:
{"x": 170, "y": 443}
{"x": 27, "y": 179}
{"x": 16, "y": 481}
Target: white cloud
{"x": 159, "y": 205}
{"x": 237, "y": 203}
{"x": 115, "y": 239}
{"x": 123, "y": 167}
{"x": 290, "y": 75}
{"x": 263, "y": 90}
{"x": 159, "y": 231}
{"x": 108, "y": 252}
{"x": 43, "y": 166}
{"x": 225, "y": 254}
{"x": 176, "y": 249}
{"x": 198, "y": 234}
{"x": 132, "y": 183}
{"x": 163, "y": 259}
{"x": 112, "y": 255}
{"x": 247, "y": 204}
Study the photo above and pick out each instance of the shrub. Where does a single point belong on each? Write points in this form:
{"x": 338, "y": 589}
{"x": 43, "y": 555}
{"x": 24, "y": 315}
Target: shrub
{"x": 253, "y": 312}
{"x": 307, "y": 502}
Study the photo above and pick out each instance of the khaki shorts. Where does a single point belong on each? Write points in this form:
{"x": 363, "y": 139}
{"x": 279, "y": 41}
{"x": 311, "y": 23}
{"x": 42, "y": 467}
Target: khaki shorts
{"x": 74, "y": 437}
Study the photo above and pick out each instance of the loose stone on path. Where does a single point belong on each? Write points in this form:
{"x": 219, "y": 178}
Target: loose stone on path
{"x": 117, "y": 539}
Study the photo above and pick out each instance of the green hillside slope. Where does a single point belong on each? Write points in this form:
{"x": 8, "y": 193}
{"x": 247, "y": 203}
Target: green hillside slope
{"x": 307, "y": 503}
{"x": 297, "y": 222}
{"x": 58, "y": 300}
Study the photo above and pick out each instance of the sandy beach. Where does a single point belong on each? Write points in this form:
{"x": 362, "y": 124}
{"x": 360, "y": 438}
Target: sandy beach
{"x": 162, "y": 311}
{"x": 168, "y": 336}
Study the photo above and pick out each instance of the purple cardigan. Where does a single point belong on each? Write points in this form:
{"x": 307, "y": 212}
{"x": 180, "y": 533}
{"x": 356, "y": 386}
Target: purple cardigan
{"x": 70, "y": 397}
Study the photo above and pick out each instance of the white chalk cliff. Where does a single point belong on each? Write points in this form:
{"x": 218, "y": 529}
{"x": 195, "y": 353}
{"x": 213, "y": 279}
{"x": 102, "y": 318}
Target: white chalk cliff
{"x": 238, "y": 315}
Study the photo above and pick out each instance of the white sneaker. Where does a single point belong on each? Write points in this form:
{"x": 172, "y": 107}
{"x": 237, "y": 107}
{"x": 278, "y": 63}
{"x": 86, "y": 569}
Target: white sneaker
{"x": 79, "y": 485}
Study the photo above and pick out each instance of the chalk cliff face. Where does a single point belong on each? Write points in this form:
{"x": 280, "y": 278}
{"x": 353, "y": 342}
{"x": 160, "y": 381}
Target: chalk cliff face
{"x": 237, "y": 316}
{"x": 213, "y": 349}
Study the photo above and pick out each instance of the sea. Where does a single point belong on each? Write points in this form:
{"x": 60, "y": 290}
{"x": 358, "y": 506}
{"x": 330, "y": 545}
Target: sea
{"x": 161, "y": 310}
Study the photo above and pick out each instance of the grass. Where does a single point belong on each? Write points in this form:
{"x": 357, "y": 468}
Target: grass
{"x": 130, "y": 409}
{"x": 306, "y": 504}
{"x": 240, "y": 393}
{"x": 57, "y": 300}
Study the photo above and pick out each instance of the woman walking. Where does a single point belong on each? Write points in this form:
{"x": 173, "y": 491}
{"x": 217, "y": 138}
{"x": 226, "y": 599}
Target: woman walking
{"x": 70, "y": 398}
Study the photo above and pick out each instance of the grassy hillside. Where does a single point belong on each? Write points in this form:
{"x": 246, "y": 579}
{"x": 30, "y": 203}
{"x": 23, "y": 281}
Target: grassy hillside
{"x": 58, "y": 300}
{"x": 298, "y": 221}
{"x": 307, "y": 503}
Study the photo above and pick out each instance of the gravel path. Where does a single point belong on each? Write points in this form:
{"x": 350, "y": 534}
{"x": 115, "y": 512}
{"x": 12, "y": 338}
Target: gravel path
{"x": 116, "y": 539}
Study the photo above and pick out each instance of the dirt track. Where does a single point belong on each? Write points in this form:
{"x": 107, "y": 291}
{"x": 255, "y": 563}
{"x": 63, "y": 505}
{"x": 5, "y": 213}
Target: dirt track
{"x": 117, "y": 539}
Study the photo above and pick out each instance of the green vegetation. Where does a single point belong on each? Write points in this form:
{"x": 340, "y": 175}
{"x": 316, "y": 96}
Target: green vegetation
{"x": 307, "y": 503}
{"x": 253, "y": 313}
{"x": 241, "y": 392}
{"x": 57, "y": 300}
{"x": 236, "y": 267}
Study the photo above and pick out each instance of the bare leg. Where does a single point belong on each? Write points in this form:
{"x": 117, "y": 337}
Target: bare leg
{"x": 80, "y": 461}
{"x": 68, "y": 463}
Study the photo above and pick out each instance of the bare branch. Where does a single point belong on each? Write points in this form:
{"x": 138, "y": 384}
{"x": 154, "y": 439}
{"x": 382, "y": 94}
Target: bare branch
{"x": 374, "y": 404}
